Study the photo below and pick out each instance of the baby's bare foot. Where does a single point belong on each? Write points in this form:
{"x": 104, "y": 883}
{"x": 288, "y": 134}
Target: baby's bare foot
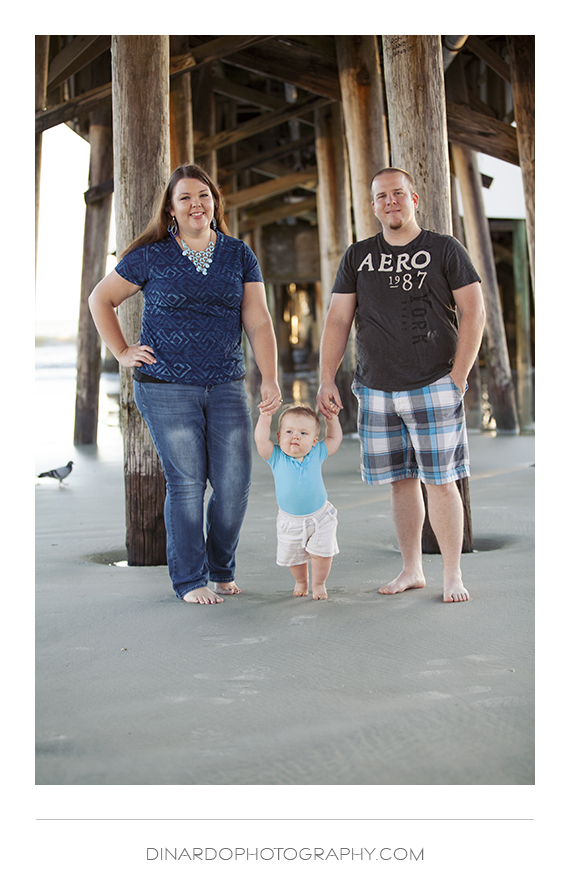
{"x": 300, "y": 590}
{"x": 227, "y": 588}
{"x": 406, "y": 580}
{"x": 319, "y": 592}
{"x": 202, "y": 595}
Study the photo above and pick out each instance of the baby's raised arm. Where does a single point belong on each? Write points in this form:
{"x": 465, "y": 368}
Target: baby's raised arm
{"x": 262, "y": 436}
{"x": 333, "y": 437}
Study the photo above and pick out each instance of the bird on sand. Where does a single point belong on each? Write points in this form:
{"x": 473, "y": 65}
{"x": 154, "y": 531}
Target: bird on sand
{"x": 60, "y": 473}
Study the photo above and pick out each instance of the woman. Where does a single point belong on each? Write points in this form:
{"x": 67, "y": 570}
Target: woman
{"x": 200, "y": 287}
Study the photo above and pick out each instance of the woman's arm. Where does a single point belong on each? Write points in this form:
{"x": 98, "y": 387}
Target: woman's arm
{"x": 258, "y": 327}
{"x": 104, "y": 299}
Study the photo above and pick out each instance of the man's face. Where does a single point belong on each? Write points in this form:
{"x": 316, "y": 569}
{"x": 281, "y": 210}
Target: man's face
{"x": 393, "y": 202}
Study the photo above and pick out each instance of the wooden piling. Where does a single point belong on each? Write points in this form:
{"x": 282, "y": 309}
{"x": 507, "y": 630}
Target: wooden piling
{"x": 335, "y": 232}
{"x": 140, "y": 131}
{"x": 521, "y": 62}
{"x": 98, "y": 209}
{"x": 366, "y": 130}
{"x": 415, "y": 92}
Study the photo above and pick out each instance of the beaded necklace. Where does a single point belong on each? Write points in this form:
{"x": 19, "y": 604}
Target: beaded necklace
{"x": 202, "y": 259}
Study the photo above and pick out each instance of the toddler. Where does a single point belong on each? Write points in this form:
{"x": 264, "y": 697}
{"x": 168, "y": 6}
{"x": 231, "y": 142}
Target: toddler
{"x": 307, "y": 521}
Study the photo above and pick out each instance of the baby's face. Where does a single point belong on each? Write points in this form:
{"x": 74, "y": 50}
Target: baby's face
{"x": 297, "y": 435}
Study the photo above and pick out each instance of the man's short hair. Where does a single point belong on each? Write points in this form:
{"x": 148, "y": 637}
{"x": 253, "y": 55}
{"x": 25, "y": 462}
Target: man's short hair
{"x": 393, "y": 170}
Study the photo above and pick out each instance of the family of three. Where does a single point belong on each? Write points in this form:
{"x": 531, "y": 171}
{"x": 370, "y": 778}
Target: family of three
{"x": 417, "y": 304}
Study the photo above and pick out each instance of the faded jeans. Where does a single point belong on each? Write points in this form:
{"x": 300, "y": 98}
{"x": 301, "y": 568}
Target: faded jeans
{"x": 201, "y": 434}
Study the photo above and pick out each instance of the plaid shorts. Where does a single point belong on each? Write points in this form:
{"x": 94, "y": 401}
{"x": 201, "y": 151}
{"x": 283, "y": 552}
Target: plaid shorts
{"x": 300, "y": 537}
{"x": 412, "y": 434}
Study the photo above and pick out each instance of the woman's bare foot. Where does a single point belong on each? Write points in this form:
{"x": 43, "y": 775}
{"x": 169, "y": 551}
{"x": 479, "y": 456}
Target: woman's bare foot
{"x": 227, "y": 588}
{"x": 319, "y": 592}
{"x": 202, "y": 595}
{"x": 454, "y": 591}
{"x": 406, "y": 580}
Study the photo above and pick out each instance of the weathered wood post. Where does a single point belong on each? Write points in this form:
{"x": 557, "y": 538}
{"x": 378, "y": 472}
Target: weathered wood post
{"x": 42, "y": 58}
{"x": 415, "y": 92}
{"x": 499, "y": 376}
{"x": 474, "y": 396}
{"x": 204, "y": 117}
{"x": 478, "y": 238}
{"x": 99, "y": 200}
{"x": 141, "y": 145}
{"x": 525, "y": 400}
{"x": 335, "y": 232}
{"x": 181, "y": 129}
{"x": 521, "y": 61}
{"x": 365, "y": 123}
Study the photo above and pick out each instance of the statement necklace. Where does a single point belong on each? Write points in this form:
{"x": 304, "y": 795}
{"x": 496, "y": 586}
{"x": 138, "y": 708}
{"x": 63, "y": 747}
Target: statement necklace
{"x": 202, "y": 259}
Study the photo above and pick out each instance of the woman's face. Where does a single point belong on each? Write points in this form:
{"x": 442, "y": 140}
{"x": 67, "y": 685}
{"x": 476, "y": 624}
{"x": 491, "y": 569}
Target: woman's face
{"x": 193, "y": 205}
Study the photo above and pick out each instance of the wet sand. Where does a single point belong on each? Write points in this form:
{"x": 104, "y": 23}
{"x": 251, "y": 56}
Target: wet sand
{"x": 135, "y": 687}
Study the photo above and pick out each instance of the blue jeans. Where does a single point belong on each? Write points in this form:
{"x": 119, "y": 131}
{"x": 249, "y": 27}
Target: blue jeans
{"x": 201, "y": 434}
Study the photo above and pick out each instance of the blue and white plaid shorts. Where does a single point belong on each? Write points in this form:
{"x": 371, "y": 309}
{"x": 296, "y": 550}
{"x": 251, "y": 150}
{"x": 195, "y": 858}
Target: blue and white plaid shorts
{"x": 413, "y": 434}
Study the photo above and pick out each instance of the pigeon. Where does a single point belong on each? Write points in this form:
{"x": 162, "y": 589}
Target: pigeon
{"x": 60, "y": 473}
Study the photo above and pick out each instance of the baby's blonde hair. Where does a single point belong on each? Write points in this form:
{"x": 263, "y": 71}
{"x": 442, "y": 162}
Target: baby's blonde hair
{"x": 305, "y": 410}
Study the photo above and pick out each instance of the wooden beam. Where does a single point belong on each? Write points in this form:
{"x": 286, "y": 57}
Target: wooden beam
{"x": 97, "y": 193}
{"x": 258, "y": 125}
{"x": 245, "y": 94}
{"x": 489, "y": 56}
{"x": 93, "y": 99}
{"x": 211, "y": 51}
{"x": 294, "y": 60}
{"x": 75, "y": 56}
{"x": 299, "y": 208}
{"x": 482, "y": 133}
{"x": 256, "y": 193}
{"x": 257, "y": 158}
{"x": 83, "y": 104}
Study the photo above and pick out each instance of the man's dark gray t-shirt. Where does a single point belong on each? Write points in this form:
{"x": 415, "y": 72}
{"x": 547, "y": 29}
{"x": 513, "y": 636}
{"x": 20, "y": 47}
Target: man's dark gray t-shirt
{"x": 406, "y": 319}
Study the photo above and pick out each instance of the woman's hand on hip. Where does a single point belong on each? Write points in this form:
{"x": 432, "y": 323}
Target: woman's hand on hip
{"x": 135, "y": 356}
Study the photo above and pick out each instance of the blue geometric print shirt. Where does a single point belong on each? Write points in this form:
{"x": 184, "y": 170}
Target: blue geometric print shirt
{"x": 191, "y": 320}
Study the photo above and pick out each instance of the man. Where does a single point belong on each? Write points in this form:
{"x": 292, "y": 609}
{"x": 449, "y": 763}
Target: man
{"x": 419, "y": 313}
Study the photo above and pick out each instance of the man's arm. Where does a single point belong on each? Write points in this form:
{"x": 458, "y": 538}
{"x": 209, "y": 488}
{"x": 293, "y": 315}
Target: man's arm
{"x": 471, "y": 312}
{"x": 333, "y": 345}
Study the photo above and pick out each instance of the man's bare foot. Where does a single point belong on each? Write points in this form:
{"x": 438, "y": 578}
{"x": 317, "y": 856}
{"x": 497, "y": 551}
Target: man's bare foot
{"x": 301, "y": 590}
{"x": 202, "y": 595}
{"x": 455, "y": 592}
{"x": 319, "y": 592}
{"x": 227, "y": 588}
{"x": 405, "y": 581}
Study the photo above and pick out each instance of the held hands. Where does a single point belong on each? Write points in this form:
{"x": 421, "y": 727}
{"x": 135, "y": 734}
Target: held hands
{"x": 270, "y": 398}
{"x": 329, "y": 401}
{"x": 135, "y": 356}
